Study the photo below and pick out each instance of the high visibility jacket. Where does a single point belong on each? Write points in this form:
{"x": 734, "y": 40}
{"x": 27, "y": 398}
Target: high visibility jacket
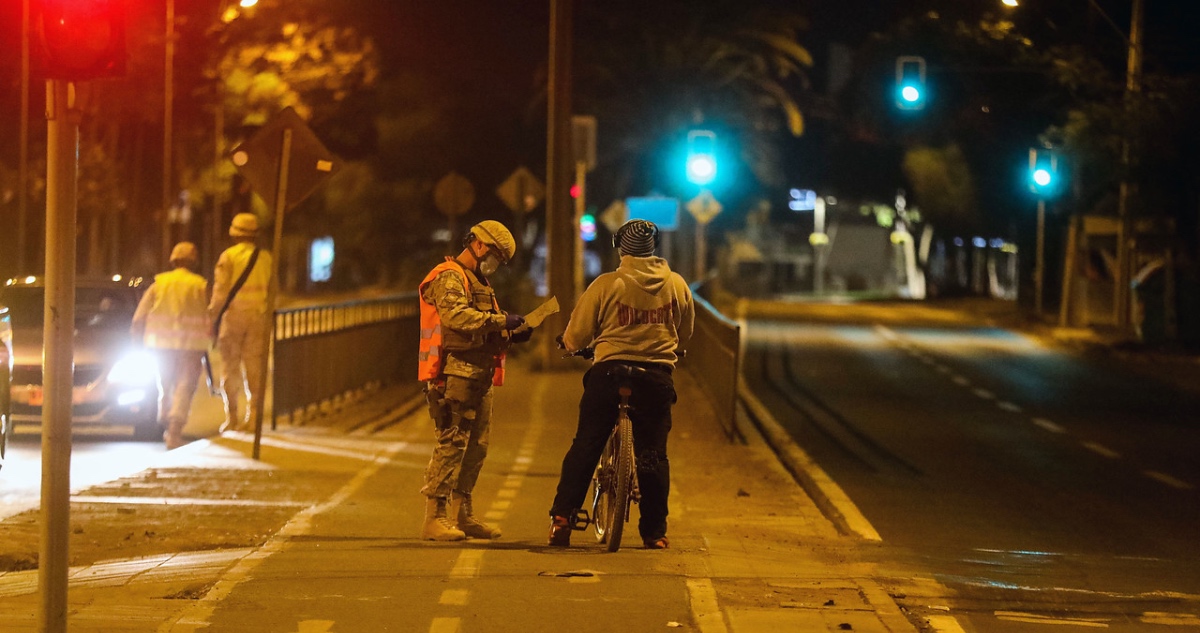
{"x": 432, "y": 349}
{"x": 173, "y": 314}
{"x": 252, "y": 296}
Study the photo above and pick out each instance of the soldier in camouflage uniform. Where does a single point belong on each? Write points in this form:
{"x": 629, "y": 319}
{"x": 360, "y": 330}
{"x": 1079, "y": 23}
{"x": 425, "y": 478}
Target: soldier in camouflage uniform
{"x": 464, "y": 336}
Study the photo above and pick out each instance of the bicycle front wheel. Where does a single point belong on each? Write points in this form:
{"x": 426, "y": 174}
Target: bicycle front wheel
{"x": 604, "y": 483}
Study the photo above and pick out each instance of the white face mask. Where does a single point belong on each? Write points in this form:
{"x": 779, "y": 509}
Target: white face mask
{"x": 489, "y": 265}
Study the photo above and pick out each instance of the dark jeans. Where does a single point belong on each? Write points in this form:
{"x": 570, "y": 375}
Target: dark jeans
{"x": 651, "y": 403}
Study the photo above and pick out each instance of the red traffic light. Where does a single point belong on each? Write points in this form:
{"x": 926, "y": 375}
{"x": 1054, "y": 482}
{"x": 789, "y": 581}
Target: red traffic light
{"x": 81, "y": 39}
{"x": 575, "y": 190}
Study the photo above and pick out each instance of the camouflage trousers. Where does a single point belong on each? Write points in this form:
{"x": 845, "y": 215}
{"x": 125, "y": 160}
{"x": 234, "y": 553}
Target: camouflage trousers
{"x": 462, "y": 411}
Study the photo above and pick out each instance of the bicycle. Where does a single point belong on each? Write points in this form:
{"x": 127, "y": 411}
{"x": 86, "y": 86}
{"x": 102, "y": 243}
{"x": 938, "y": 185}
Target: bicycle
{"x": 614, "y": 483}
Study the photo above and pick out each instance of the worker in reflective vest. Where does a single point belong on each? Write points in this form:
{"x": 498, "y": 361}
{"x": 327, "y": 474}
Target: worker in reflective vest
{"x": 464, "y": 335}
{"x": 242, "y": 315}
{"x": 172, "y": 320}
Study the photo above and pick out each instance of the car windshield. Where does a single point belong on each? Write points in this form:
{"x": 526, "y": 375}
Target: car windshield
{"x": 93, "y": 306}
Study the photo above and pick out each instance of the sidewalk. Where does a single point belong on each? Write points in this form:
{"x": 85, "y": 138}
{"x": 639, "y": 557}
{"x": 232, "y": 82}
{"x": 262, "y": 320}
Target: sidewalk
{"x": 750, "y": 550}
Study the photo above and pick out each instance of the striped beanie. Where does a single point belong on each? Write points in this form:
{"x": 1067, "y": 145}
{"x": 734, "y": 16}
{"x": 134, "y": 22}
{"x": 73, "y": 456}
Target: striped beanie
{"x": 637, "y": 238}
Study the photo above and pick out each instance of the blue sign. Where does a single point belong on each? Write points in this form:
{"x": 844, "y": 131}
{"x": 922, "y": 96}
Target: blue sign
{"x": 664, "y": 212}
{"x": 802, "y": 200}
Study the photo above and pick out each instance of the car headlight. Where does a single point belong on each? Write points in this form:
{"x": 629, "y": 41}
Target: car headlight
{"x": 134, "y": 368}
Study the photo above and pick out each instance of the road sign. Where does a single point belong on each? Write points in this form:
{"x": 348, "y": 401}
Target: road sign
{"x": 663, "y": 212}
{"x": 704, "y": 207}
{"x": 521, "y": 191}
{"x": 309, "y": 165}
{"x": 454, "y": 194}
{"x": 614, "y": 215}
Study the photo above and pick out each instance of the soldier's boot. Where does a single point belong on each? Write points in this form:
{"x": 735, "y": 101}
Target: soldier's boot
{"x": 460, "y": 506}
{"x": 173, "y": 437}
{"x": 438, "y": 526}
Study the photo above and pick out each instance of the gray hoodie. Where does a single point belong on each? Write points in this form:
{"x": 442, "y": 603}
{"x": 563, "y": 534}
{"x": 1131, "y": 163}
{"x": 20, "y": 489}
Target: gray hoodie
{"x": 640, "y": 312}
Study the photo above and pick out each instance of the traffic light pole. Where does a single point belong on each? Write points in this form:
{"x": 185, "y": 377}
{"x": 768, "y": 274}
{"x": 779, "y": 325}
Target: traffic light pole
{"x": 1039, "y": 275}
{"x": 62, "y": 165}
{"x": 560, "y": 234}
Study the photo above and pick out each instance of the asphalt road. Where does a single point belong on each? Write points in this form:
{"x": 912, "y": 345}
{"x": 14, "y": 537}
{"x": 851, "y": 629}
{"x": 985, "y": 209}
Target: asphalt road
{"x": 1038, "y": 487}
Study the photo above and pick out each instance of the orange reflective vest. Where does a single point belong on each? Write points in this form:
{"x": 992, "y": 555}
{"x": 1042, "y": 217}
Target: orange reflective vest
{"x": 431, "y": 353}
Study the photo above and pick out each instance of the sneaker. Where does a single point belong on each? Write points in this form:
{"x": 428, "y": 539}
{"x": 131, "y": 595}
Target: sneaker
{"x": 560, "y": 532}
{"x": 658, "y": 543}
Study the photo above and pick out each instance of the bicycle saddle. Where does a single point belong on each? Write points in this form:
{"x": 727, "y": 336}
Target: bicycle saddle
{"x": 627, "y": 371}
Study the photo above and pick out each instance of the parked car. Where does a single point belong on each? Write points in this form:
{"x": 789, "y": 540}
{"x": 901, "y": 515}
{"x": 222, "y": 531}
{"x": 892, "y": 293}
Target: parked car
{"x": 6, "y": 365}
{"x": 115, "y": 381}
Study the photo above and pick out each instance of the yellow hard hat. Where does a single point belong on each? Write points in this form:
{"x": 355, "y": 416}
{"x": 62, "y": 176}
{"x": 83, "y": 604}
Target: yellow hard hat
{"x": 184, "y": 252}
{"x": 244, "y": 225}
{"x": 495, "y": 234}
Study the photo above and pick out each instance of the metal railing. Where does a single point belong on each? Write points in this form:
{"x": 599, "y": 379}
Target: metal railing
{"x": 327, "y": 353}
{"x": 713, "y": 359}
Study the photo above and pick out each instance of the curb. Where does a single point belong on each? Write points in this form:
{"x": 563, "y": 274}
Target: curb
{"x": 829, "y": 497}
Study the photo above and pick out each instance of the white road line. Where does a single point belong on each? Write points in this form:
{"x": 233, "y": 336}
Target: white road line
{"x": 705, "y": 609}
{"x": 1101, "y": 450}
{"x": 942, "y": 369}
{"x": 984, "y": 393}
{"x": 196, "y": 615}
{"x": 944, "y": 624}
{"x": 959, "y": 380}
{"x": 1035, "y": 618}
{"x": 799, "y": 460}
{"x": 495, "y": 515}
{"x": 1167, "y": 479}
{"x": 508, "y": 493}
{"x": 1010, "y": 407}
{"x": 467, "y": 565}
{"x": 500, "y": 505}
{"x": 445, "y": 625}
{"x": 1171, "y": 619}
{"x": 1048, "y": 425}
{"x": 454, "y": 597}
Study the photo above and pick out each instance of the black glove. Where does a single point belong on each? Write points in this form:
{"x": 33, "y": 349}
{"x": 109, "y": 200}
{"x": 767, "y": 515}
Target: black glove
{"x": 513, "y": 321}
{"x": 520, "y": 336}
{"x": 559, "y": 341}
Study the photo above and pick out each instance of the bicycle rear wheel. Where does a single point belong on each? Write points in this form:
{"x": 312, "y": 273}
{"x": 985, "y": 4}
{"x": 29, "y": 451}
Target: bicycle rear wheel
{"x": 623, "y": 480}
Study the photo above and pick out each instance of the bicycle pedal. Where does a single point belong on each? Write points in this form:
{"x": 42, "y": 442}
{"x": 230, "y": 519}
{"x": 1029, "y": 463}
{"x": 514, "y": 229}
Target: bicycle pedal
{"x": 580, "y": 520}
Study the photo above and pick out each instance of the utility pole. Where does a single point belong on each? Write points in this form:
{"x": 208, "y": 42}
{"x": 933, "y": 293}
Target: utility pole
{"x": 23, "y": 168}
{"x": 168, "y": 123}
{"x": 1128, "y": 190}
{"x": 62, "y": 165}
{"x": 560, "y": 231}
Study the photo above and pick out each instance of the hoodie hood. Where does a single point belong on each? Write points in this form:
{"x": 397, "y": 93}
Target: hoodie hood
{"x": 649, "y": 273}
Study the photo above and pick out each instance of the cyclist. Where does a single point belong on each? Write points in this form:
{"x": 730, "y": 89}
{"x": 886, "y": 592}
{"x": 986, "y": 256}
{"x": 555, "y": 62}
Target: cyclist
{"x": 641, "y": 315}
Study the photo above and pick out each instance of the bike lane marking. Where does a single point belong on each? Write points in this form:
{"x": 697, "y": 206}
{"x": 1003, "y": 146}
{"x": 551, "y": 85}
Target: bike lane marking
{"x": 469, "y": 561}
{"x": 705, "y": 609}
{"x": 197, "y": 615}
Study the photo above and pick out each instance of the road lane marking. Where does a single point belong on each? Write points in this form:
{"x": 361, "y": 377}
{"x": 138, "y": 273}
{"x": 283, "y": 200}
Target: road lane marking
{"x": 454, "y": 597}
{"x": 196, "y": 616}
{"x": 983, "y": 393}
{"x": 1170, "y": 619}
{"x": 1101, "y": 450}
{"x": 467, "y": 565}
{"x": 806, "y": 471}
{"x": 314, "y": 626}
{"x": 445, "y": 625}
{"x": 1167, "y": 479}
{"x": 1048, "y": 425}
{"x": 1035, "y": 618}
{"x": 944, "y": 624}
{"x": 942, "y": 369}
{"x": 705, "y": 609}
{"x": 960, "y": 381}
{"x": 1010, "y": 407}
